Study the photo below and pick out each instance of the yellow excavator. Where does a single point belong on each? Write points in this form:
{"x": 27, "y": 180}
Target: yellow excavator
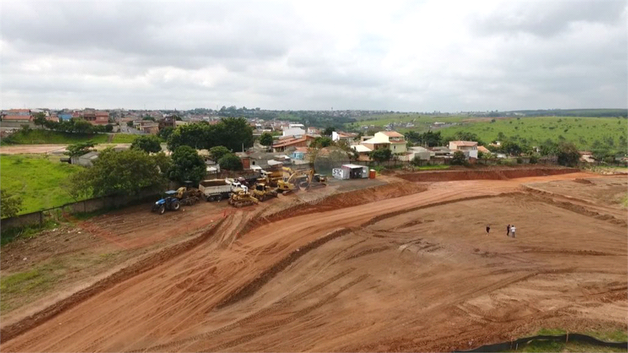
{"x": 297, "y": 180}
{"x": 188, "y": 195}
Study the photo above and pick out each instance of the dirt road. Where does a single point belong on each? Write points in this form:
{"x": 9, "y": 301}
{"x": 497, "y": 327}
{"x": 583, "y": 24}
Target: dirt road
{"x": 412, "y": 273}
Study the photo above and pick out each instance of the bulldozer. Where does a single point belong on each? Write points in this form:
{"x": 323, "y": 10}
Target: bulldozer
{"x": 240, "y": 198}
{"x": 262, "y": 192}
{"x": 188, "y": 195}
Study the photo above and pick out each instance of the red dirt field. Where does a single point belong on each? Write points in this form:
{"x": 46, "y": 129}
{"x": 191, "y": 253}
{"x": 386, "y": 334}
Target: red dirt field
{"x": 411, "y": 273}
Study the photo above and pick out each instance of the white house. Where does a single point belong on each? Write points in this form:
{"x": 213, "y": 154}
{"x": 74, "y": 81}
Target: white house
{"x": 469, "y": 148}
{"x": 294, "y": 130}
{"x": 387, "y": 139}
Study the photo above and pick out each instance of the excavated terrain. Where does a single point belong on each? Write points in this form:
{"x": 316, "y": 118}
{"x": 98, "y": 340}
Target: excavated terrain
{"x": 411, "y": 273}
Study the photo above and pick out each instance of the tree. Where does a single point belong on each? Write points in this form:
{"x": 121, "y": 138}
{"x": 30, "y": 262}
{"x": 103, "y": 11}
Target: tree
{"x": 129, "y": 123}
{"x": 381, "y": 155}
{"x": 148, "y": 144}
{"x": 459, "y": 158}
{"x": 148, "y": 117}
{"x": 165, "y": 133}
{"x": 230, "y": 162}
{"x": 10, "y": 205}
{"x": 511, "y": 148}
{"x": 568, "y": 154}
{"x": 79, "y": 148}
{"x": 233, "y": 133}
{"x": 82, "y": 126}
{"x": 266, "y": 139}
{"x": 187, "y": 165}
{"x": 322, "y": 142}
{"x": 548, "y": 148}
{"x": 328, "y": 131}
{"x": 197, "y": 136}
{"x": 108, "y": 128}
{"x": 118, "y": 173}
{"x": 218, "y": 152}
{"x": 39, "y": 119}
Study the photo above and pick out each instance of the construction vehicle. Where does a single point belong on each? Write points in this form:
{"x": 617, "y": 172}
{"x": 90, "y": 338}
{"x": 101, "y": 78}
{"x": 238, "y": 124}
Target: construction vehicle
{"x": 168, "y": 202}
{"x": 262, "y": 192}
{"x": 189, "y": 195}
{"x": 216, "y": 189}
{"x": 271, "y": 177}
{"x": 299, "y": 180}
{"x": 240, "y": 198}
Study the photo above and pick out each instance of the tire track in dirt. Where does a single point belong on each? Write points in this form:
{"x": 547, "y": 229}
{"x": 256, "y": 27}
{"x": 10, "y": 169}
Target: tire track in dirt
{"x": 252, "y": 287}
{"x": 172, "y": 346}
{"x": 143, "y": 265}
{"x": 539, "y": 196}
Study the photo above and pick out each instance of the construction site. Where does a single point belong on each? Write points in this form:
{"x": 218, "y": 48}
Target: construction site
{"x": 408, "y": 261}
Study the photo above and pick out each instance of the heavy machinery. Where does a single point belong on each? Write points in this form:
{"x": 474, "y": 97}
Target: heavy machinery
{"x": 240, "y": 198}
{"x": 298, "y": 180}
{"x": 216, "y": 189}
{"x": 262, "y": 192}
{"x": 189, "y": 195}
{"x": 168, "y": 202}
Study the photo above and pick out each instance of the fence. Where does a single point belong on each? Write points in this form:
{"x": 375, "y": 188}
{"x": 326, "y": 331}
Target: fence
{"x": 90, "y": 205}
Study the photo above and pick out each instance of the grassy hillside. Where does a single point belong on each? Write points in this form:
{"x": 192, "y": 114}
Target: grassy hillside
{"x": 55, "y": 137}
{"x": 37, "y": 179}
{"x": 421, "y": 122}
{"x": 584, "y": 132}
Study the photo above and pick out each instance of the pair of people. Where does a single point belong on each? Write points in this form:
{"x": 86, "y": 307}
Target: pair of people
{"x": 511, "y": 229}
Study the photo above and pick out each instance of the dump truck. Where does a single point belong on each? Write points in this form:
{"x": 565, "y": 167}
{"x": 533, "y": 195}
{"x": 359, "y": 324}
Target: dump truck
{"x": 216, "y": 189}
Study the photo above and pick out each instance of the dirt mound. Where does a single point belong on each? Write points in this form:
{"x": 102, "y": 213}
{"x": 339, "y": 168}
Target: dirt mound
{"x": 490, "y": 174}
{"x": 583, "y": 181}
{"x": 338, "y": 201}
{"x": 141, "y": 266}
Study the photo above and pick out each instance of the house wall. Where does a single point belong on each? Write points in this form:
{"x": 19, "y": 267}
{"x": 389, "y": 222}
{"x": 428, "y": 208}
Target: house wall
{"x": 293, "y": 132}
{"x": 399, "y": 147}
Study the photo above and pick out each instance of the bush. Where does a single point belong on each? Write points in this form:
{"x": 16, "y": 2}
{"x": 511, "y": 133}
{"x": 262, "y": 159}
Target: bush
{"x": 534, "y": 159}
{"x": 519, "y": 160}
{"x": 230, "y": 162}
{"x": 148, "y": 144}
{"x": 459, "y": 158}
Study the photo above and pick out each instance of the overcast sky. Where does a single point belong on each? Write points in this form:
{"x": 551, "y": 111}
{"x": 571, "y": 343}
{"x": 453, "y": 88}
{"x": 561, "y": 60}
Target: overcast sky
{"x": 393, "y": 55}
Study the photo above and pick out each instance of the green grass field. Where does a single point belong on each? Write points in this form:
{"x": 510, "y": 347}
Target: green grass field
{"x": 421, "y": 122}
{"x": 37, "y": 179}
{"x": 55, "y": 137}
{"x": 583, "y": 132}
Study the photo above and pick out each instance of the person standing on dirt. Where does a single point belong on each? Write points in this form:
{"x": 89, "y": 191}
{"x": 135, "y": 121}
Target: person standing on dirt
{"x": 488, "y": 229}
{"x": 508, "y": 230}
{"x": 512, "y": 230}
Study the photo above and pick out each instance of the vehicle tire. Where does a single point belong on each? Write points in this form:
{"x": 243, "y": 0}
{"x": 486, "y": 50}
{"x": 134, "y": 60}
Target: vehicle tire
{"x": 209, "y": 199}
{"x": 162, "y": 209}
{"x": 218, "y": 198}
{"x": 175, "y": 206}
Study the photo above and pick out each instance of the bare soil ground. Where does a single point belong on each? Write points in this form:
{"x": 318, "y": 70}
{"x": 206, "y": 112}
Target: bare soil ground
{"x": 411, "y": 273}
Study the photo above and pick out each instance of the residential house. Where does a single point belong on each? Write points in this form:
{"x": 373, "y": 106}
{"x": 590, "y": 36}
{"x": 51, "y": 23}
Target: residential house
{"x": 294, "y": 130}
{"x": 284, "y": 143}
{"x": 363, "y": 152}
{"x": 53, "y": 118}
{"x": 149, "y": 127}
{"x": 65, "y": 116}
{"x": 17, "y": 119}
{"x": 586, "y": 156}
{"x": 387, "y": 139}
{"x": 469, "y": 148}
{"x": 343, "y": 136}
{"x": 85, "y": 160}
{"x": 96, "y": 117}
{"x": 483, "y": 150}
{"x": 421, "y": 153}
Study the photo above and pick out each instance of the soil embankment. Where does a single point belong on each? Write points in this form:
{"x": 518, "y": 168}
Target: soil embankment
{"x": 483, "y": 174}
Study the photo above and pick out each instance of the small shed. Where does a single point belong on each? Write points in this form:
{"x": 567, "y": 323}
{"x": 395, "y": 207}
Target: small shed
{"x": 356, "y": 171}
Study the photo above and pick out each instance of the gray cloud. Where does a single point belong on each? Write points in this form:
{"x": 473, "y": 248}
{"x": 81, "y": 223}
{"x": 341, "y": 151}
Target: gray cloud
{"x": 301, "y": 55}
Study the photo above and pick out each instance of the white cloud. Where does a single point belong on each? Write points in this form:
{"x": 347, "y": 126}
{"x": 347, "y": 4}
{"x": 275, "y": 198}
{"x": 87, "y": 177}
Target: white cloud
{"x": 419, "y": 56}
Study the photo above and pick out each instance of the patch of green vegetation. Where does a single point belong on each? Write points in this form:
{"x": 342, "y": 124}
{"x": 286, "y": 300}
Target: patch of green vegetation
{"x": 37, "y": 179}
{"x": 420, "y": 122}
{"x": 609, "y": 336}
{"x": 124, "y": 138}
{"x": 30, "y": 231}
{"x": 24, "y": 281}
{"x": 432, "y": 167}
{"x": 54, "y": 137}
{"x": 551, "y": 331}
{"x": 586, "y": 133}
{"x": 552, "y": 346}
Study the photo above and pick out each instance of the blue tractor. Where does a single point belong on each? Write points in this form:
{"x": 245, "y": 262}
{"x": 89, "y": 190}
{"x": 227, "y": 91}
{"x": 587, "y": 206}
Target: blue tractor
{"x": 168, "y": 202}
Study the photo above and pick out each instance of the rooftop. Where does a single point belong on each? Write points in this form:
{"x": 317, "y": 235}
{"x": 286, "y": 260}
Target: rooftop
{"x": 465, "y": 143}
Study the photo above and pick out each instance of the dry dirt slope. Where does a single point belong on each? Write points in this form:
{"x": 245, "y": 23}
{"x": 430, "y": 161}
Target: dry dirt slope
{"x": 428, "y": 279}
